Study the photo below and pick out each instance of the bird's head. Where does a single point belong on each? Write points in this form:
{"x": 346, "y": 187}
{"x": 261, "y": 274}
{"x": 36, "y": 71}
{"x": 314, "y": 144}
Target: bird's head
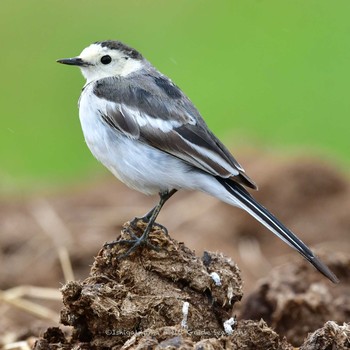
{"x": 105, "y": 59}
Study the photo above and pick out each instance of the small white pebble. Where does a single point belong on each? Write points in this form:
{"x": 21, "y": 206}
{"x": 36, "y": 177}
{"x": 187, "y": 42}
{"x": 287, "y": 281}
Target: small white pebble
{"x": 216, "y": 278}
{"x": 185, "y": 308}
{"x": 228, "y": 325}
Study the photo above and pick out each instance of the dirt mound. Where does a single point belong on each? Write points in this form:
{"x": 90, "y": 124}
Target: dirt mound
{"x": 168, "y": 298}
{"x": 149, "y": 290}
{"x": 165, "y": 298}
{"x": 295, "y": 301}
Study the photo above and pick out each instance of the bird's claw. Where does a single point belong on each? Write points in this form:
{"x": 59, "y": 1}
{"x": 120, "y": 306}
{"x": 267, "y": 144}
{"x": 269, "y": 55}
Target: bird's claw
{"x": 134, "y": 241}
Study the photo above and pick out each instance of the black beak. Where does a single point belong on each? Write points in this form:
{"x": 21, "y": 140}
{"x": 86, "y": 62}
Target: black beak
{"x": 75, "y": 61}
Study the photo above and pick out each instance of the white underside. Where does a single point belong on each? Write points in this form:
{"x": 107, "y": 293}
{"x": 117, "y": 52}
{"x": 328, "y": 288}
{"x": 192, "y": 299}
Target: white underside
{"x": 136, "y": 164}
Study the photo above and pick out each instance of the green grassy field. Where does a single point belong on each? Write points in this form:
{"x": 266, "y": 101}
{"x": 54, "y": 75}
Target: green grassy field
{"x": 272, "y": 73}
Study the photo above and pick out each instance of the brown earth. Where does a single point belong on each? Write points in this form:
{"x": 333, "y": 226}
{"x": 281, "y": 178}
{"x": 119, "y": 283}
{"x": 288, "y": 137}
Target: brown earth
{"x": 309, "y": 196}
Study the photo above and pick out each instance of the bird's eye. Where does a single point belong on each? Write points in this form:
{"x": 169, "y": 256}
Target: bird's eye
{"x": 106, "y": 59}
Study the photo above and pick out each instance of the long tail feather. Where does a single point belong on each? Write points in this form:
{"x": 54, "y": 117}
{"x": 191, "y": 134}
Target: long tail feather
{"x": 273, "y": 224}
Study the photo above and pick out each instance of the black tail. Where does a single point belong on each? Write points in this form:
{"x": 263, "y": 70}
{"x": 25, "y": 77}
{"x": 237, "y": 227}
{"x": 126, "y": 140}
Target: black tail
{"x": 273, "y": 224}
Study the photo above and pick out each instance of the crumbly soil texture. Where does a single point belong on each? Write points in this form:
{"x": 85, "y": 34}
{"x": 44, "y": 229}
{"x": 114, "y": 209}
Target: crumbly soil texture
{"x": 169, "y": 296}
{"x": 163, "y": 296}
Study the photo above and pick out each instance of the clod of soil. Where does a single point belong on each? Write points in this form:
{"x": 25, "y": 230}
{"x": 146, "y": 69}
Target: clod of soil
{"x": 167, "y": 298}
{"x": 294, "y": 300}
{"x": 138, "y": 302}
{"x": 146, "y": 291}
{"x": 330, "y": 336}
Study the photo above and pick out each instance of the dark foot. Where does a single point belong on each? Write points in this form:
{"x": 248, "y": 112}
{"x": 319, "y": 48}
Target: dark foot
{"x": 135, "y": 242}
{"x": 149, "y": 219}
{"x": 146, "y": 218}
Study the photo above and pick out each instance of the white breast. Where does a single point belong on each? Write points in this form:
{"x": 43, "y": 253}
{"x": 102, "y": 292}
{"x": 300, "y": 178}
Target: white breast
{"x": 138, "y": 165}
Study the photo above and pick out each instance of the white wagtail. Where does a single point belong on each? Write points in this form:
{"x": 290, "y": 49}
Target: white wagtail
{"x": 147, "y": 132}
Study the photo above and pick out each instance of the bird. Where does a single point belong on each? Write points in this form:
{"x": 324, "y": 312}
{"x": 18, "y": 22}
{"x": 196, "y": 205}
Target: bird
{"x": 147, "y": 132}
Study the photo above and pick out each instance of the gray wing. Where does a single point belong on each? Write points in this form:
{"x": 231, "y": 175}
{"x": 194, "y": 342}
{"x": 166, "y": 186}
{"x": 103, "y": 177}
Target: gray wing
{"x": 151, "y": 109}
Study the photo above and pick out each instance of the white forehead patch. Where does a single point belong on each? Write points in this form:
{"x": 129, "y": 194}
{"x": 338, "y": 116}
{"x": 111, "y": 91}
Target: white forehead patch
{"x": 94, "y": 51}
{"x": 121, "y": 64}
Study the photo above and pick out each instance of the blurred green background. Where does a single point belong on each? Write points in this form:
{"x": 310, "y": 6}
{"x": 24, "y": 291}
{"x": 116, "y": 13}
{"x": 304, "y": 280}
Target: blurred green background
{"x": 269, "y": 74}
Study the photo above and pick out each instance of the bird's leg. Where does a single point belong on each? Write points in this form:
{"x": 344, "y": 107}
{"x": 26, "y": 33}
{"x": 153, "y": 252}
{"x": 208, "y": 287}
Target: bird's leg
{"x": 151, "y": 218}
{"x": 147, "y": 217}
{"x": 164, "y": 196}
{"x": 144, "y": 218}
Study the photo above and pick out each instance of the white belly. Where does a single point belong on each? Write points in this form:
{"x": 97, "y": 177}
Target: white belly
{"x": 138, "y": 165}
